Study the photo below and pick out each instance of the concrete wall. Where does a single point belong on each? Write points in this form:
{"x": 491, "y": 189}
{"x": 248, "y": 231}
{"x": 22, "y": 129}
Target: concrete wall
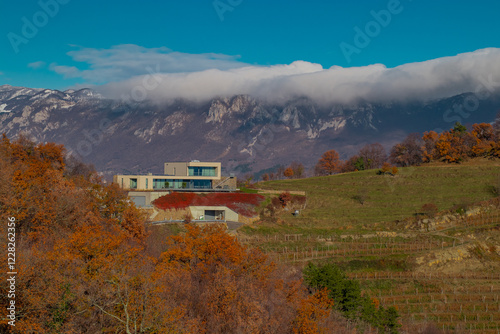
{"x": 150, "y": 195}
{"x": 124, "y": 181}
{"x": 226, "y": 182}
{"x": 176, "y": 168}
{"x": 197, "y": 211}
{"x": 179, "y": 214}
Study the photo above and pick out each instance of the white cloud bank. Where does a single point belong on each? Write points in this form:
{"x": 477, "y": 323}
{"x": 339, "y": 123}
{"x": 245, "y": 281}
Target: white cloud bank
{"x": 163, "y": 75}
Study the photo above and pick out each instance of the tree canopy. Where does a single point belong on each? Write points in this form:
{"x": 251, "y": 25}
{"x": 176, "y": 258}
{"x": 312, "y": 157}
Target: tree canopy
{"x": 88, "y": 263}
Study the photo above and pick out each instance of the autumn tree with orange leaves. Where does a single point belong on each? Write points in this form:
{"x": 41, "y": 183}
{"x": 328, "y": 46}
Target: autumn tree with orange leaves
{"x": 453, "y": 146}
{"x": 313, "y": 310}
{"x": 228, "y": 288}
{"x": 484, "y": 140}
{"x": 329, "y": 162}
{"x": 430, "y": 139}
{"x": 70, "y": 229}
{"x": 288, "y": 172}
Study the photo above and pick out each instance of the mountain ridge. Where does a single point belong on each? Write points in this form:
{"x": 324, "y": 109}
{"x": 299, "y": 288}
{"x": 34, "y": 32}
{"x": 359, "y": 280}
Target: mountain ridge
{"x": 244, "y": 133}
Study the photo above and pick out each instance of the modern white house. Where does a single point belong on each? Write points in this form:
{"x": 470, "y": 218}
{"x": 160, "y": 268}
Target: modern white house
{"x": 192, "y": 176}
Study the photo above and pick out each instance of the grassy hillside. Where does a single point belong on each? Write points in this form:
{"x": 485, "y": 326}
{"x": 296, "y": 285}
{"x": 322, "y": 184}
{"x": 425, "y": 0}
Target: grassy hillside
{"x": 363, "y": 199}
{"x": 444, "y": 279}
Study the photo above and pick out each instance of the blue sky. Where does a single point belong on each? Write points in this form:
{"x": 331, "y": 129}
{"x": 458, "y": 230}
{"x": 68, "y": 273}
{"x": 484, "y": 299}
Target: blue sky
{"x": 226, "y": 34}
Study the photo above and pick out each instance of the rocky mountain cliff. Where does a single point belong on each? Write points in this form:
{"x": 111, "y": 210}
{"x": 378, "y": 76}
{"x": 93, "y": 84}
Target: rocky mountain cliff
{"x": 246, "y": 134}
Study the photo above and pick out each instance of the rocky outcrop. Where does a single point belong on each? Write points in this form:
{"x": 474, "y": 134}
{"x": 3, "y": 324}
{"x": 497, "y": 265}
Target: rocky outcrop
{"x": 445, "y": 221}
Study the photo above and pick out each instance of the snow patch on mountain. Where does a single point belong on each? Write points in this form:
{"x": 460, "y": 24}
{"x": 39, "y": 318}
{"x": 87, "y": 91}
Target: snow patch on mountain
{"x": 2, "y": 108}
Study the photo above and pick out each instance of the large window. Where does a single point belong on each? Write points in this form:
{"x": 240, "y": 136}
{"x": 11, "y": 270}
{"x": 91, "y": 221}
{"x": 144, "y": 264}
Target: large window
{"x": 170, "y": 184}
{"x": 181, "y": 184}
{"x": 161, "y": 184}
{"x": 214, "y": 215}
{"x": 133, "y": 183}
{"x": 201, "y": 171}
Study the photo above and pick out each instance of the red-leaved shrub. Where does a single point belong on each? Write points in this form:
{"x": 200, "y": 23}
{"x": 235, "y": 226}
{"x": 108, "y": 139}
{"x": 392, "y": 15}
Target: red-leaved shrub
{"x": 241, "y": 203}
